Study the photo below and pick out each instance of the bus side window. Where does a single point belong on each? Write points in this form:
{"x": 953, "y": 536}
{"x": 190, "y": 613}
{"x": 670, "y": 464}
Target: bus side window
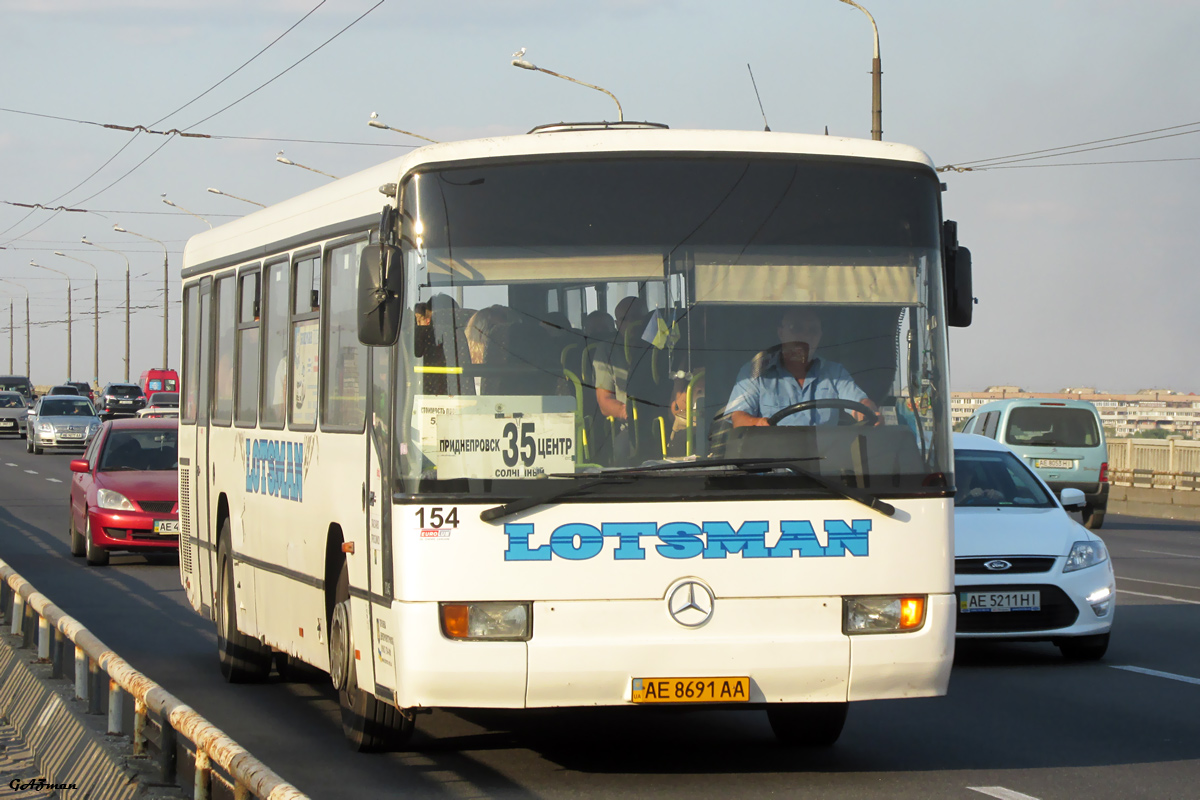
{"x": 343, "y": 404}
{"x": 226, "y": 331}
{"x": 275, "y": 346}
{"x": 247, "y": 356}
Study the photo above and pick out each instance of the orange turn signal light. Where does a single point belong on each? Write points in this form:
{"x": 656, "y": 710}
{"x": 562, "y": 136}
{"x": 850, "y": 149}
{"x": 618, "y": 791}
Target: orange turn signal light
{"x": 912, "y": 612}
{"x": 455, "y": 620}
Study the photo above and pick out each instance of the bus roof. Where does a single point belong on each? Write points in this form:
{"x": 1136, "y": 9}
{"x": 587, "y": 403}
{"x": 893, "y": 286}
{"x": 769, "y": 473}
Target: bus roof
{"x": 357, "y": 196}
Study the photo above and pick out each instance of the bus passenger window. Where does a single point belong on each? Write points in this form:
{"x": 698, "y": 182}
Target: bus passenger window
{"x": 246, "y": 401}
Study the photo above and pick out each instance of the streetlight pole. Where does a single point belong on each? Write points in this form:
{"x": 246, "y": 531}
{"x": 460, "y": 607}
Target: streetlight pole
{"x": 166, "y": 282}
{"x": 375, "y": 123}
{"x": 235, "y": 197}
{"x": 519, "y": 62}
{"x": 33, "y": 263}
{"x": 184, "y": 210}
{"x": 876, "y": 79}
{"x": 95, "y": 316}
{"x": 26, "y": 291}
{"x": 122, "y": 255}
{"x": 283, "y": 160}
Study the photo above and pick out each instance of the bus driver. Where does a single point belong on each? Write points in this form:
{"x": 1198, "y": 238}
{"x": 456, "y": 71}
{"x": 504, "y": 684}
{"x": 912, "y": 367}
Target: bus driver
{"x": 790, "y": 374}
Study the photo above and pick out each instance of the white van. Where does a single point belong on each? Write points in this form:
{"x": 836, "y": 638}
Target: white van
{"x": 1062, "y": 440}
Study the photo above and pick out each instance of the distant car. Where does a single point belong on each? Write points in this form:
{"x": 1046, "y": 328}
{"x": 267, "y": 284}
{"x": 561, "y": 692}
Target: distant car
{"x": 65, "y": 389}
{"x": 1024, "y": 570}
{"x": 85, "y": 390}
{"x": 161, "y": 405}
{"x": 121, "y": 399}
{"x": 13, "y": 413}
{"x": 125, "y": 491}
{"x": 17, "y": 383}
{"x": 60, "y": 421}
{"x": 163, "y": 379}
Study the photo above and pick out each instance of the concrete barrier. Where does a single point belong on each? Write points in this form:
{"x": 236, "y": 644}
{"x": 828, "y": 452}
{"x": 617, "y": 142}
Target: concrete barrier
{"x": 1141, "y": 501}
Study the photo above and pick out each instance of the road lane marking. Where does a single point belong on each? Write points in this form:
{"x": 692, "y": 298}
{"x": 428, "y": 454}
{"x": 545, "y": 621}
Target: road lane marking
{"x": 1001, "y": 793}
{"x": 1159, "y": 597}
{"x": 1161, "y": 553}
{"x": 32, "y": 471}
{"x": 1160, "y": 583}
{"x": 1155, "y": 673}
{"x": 54, "y": 480}
{"x": 9, "y": 464}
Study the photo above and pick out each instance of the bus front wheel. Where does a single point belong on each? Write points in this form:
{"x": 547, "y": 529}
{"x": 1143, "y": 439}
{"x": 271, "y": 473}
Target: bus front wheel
{"x": 807, "y": 724}
{"x": 244, "y": 659}
{"x": 370, "y": 725}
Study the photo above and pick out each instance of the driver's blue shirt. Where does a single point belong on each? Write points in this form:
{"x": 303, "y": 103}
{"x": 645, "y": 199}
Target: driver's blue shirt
{"x": 774, "y": 389}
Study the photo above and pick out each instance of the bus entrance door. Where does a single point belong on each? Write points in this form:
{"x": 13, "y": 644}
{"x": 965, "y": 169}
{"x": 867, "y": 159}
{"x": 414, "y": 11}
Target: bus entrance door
{"x": 379, "y": 519}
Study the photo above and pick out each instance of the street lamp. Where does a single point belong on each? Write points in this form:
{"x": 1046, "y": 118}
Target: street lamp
{"x": 519, "y": 62}
{"x": 282, "y": 160}
{"x": 235, "y": 197}
{"x": 184, "y": 210}
{"x": 375, "y": 123}
{"x": 876, "y": 79}
{"x": 95, "y": 317}
{"x": 26, "y": 291}
{"x": 33, "y": 263}
{"x": 166, "y": 275}
{"x": 122, "y": 255}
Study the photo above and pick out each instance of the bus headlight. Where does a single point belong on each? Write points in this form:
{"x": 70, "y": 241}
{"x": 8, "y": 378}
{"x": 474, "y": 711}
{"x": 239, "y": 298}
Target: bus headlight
{"x": 491, "y": 621}
{"x": 883, "y": 614}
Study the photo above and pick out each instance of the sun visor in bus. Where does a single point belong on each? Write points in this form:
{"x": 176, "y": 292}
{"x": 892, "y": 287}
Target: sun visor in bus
{"x": 613, "y": 267}
{"x": 807, "y": 283}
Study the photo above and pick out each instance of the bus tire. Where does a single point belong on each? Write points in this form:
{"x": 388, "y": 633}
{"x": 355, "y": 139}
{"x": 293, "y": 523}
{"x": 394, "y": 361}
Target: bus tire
{"x": 369, "y": 724}
{"x": 78, "y": 546}
{"x": 807, "y": 724}
{"x": 243, "y": 658}
{"x": 96, "y": 556}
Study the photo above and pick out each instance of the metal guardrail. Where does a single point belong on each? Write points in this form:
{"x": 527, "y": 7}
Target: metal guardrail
{"x": 159, "y": 717}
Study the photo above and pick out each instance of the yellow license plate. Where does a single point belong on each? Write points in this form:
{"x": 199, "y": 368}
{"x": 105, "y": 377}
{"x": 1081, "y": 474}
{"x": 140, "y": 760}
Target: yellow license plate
{"x": 691, "y": 690}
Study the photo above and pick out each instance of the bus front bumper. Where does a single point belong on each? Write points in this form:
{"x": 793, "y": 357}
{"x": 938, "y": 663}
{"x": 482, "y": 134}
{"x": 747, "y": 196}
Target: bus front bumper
{"x": 588, "y": 653}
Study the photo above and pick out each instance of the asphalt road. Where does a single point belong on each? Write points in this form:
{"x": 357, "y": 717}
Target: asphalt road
{"x": 1019, "y": 722}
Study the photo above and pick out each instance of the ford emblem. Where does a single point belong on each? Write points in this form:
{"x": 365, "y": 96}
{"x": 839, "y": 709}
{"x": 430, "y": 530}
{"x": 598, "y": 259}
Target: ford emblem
{"x": 998, "y": 565}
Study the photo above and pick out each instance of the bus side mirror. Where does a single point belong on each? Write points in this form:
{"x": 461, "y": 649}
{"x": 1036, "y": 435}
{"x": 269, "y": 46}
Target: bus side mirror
{"x": 379, "y": 298}
{"x": 960, "y": 302}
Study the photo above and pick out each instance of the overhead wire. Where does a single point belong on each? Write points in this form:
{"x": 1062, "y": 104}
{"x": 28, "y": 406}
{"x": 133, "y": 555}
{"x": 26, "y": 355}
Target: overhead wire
{"x": 979, "y": 165}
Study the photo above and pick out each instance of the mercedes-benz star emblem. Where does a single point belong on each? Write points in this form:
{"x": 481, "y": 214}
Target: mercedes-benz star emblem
{"x": 998, "y": 565}
{"x": 691, "y": 603}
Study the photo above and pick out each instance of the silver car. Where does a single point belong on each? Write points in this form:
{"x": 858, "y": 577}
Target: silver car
{"x": 13, "y": 412}
{"x": 60, "y": 421}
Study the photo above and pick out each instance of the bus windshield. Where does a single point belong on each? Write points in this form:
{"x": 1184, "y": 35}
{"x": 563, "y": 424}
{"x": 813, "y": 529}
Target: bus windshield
{"x": 568, "y": 317}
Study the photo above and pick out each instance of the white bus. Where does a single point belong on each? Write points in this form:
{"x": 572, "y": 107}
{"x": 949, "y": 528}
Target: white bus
{"x": 462, "y": 430}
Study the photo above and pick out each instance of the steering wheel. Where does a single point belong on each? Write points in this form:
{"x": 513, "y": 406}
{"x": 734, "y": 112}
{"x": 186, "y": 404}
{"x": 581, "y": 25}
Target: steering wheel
{"x": 870, "y": 417}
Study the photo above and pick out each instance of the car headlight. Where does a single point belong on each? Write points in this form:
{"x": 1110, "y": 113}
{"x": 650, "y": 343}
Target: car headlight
{"x": 882, "y": 614}
{"x": 486, "y": 621}
{"x": 115, "y": 501}
{"x": 1085, "y": 554}
{"x": 45, "y": 427}
{"x": 92, "y": 429}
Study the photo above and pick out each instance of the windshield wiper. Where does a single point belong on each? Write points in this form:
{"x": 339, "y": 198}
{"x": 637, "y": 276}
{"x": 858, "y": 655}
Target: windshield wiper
{"x": 740, "y": 466}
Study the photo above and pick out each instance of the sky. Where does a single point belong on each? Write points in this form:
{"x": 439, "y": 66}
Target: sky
{"x": 1083, "y": 268}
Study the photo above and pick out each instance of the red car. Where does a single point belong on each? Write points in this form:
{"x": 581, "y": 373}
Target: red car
{"x": 125, "y": 490}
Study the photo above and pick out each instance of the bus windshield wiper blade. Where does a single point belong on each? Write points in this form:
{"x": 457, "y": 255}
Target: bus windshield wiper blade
{"x": 741, "y": 465}
{"x": 524, "y": 503}
{"x": 749, "y": 464}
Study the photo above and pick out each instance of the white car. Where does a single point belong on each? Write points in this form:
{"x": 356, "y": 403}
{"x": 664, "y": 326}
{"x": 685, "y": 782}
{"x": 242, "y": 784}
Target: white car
{"x": 1023, "y": 568}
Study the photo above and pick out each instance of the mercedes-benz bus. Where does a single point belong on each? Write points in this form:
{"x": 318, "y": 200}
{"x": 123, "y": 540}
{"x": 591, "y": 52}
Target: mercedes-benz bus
{"x": 521, "y": 422}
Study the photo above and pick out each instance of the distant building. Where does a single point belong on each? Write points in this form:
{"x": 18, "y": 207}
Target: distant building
{"x": 1123, "y": 415}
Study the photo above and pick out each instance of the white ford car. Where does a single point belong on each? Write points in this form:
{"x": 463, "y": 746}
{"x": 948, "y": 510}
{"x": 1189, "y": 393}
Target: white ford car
{"x": 1024, "y": 569}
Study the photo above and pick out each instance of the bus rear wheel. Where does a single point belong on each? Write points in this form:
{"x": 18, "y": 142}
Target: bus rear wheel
{"x": 243, "y": 659}
{"x": 807, "y": 724}
{"x": 369, "y": 724}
